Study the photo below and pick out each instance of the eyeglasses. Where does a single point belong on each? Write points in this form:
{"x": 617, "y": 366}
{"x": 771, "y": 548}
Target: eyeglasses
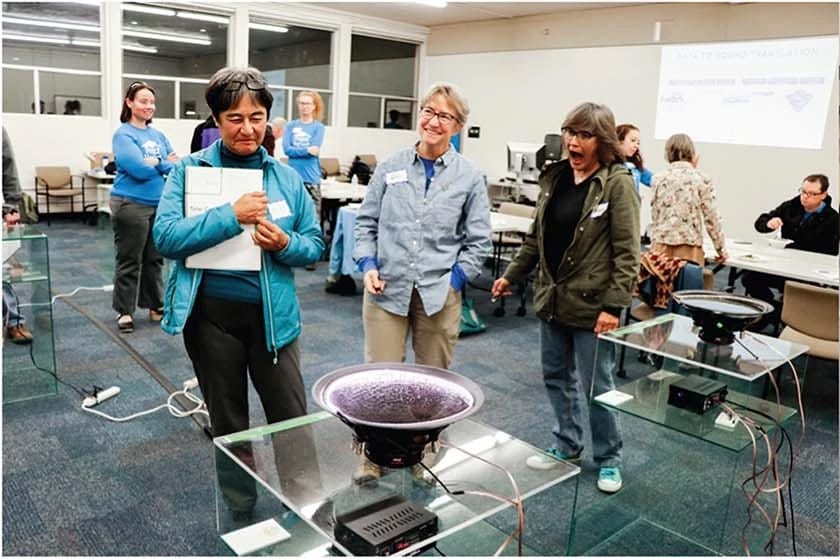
{"x": 254, "y": 84}
{"x": 581, "y": 134}
{"x": 428, "y": 113}
{"x": 807, "y": 194}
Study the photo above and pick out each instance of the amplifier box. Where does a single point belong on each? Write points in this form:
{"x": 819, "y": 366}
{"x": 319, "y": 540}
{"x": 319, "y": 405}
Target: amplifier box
{"x": 696, "y": 393}
{"x": 385, "y": 527}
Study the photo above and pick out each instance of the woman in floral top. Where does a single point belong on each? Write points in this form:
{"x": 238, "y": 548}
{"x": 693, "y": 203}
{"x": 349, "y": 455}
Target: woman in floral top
{"x": 682, "y": 200}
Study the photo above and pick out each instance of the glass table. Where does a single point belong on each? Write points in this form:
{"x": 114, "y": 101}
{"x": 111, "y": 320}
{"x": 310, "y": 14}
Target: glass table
{"x": 29, "y": 371}
{"x": 300, "y": 473}
{"x": 687, "y": 499}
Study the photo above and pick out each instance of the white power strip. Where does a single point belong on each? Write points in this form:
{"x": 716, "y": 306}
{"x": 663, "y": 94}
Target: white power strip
{"x": 100, "y": 397}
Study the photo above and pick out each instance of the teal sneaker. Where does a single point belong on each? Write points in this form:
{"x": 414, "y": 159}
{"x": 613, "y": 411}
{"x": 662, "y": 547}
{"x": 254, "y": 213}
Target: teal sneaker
{"x": 609, "y": 480}
{"x": 549, "y": 459}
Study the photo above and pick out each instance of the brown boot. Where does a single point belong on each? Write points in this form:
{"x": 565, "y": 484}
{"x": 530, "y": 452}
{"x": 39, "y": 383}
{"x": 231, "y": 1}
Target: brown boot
{"x": 19, "y": 334}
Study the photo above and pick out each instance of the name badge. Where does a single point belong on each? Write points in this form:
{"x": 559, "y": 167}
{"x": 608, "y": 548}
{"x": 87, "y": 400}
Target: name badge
{"x": 279, "y": 210}
{"x": 396, "y": 176}
{"x": 600, "y": 209}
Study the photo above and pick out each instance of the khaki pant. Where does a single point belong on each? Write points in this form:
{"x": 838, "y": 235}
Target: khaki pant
{"x": 433, "y": 337}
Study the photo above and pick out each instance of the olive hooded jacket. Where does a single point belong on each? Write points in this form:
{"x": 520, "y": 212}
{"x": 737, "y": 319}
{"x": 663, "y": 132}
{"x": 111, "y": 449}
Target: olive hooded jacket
{"x": 599, "y": 268}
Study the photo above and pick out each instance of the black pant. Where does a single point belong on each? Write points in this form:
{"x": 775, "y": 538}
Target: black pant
{"x": 759, "y": 284}
{"x": 225, "y": 341}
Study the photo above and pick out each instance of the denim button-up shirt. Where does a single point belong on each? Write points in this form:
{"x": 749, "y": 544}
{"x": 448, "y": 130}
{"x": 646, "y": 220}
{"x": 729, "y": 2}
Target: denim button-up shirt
{"x": 417, "y": 236}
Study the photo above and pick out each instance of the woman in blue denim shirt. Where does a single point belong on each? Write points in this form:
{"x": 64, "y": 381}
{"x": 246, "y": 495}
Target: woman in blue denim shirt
{"x": 422, "y": 232}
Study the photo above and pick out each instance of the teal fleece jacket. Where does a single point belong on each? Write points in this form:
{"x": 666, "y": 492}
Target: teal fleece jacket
{"x": 178, "y": 237}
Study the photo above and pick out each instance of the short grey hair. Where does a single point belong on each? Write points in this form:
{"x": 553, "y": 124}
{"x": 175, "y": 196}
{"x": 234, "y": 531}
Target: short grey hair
{"x": 230, "y": 84}
{"x": 452, "y": 95}
{"x": 278, "y": 122}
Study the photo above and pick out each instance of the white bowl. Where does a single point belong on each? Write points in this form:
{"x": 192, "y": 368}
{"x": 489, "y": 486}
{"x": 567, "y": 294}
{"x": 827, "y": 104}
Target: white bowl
{"x": 778, "y": 243}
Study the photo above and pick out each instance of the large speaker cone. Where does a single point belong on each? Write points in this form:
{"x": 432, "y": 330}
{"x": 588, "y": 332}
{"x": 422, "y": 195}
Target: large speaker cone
{"x": 720, "y": 315}
{"x": 396, "y": 409}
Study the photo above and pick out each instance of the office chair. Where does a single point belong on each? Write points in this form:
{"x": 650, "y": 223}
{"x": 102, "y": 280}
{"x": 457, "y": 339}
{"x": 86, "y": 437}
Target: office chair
{"x": 58, "y": 182}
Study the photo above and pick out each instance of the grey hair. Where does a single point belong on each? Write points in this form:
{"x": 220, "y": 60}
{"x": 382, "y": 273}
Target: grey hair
{"x": 452, "y": 95}
{"x": 230, "y": 84}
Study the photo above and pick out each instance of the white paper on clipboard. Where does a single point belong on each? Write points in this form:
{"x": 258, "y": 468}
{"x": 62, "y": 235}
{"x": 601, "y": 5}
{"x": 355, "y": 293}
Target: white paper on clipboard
{"x": 210, "y": 187}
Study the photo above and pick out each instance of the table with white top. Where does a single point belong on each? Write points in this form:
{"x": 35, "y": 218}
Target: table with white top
{"x": 334, "y": 195}
{"x": 504, "y": 189}
{"x": 762, "y": 256}
{"x": 334, "y": 190}
{"x": 104, "y": 184}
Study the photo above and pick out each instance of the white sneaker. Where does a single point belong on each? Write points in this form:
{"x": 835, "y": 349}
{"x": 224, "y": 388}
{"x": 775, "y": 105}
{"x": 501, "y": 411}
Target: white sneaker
{"x": 609, "y": 480}
{"x": 550, "y": 459}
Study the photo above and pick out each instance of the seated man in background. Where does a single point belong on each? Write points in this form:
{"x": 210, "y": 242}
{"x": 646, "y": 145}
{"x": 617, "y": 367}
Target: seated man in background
{"x": 809, "y": 221}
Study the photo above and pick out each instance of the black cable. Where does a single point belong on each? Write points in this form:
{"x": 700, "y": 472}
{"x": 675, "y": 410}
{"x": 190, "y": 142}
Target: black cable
{"x": 785, "y": 436}
{"x": 81, "y": 392}
{"x": 436, "y": 548}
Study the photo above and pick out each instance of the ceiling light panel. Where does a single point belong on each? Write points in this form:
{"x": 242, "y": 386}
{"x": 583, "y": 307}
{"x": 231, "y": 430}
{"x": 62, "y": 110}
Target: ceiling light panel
{"x": 203, "y": 17}
{"x": 35, "y": 39}
{"x": 148, "y": 9}
{"x": 266, "y": 27}
{"x": 165, "y": 37}
{"x": 52, "y": 24}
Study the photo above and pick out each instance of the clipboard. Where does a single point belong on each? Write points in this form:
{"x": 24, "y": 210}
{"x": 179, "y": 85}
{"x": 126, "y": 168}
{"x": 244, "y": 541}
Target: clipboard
{"x": 211, "y": 187}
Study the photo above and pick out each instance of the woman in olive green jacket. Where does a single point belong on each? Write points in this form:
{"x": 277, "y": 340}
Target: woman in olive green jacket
{"x": 585, "y": 245}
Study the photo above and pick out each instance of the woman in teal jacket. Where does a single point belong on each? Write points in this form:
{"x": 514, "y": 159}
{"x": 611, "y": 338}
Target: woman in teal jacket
{"x": 238, "y": 324}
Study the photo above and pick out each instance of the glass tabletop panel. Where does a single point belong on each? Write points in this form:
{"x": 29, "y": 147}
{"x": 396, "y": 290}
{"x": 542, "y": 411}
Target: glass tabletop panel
{"x": 674, "y": 336}
{"x": 22, "y": 231}
{"x": 650, "y": 401}
{"x": 308, "y": 464}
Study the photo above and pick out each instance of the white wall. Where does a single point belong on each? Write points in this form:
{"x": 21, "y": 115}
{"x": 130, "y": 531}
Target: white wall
{"x": 523, "y": 95}
{"x": 62, "y": 140}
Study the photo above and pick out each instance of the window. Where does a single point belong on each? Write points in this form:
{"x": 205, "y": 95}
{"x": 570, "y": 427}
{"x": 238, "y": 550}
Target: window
{"x": 176, "y": 52}
{"x": 293, "y": 59}
{"x": 382, "y": 83}
{"x": 51, "y": 52}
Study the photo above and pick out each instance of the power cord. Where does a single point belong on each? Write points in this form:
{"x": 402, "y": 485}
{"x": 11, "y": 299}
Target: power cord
{"x": 89, "y": 403}
{"x": 105, "y": 288}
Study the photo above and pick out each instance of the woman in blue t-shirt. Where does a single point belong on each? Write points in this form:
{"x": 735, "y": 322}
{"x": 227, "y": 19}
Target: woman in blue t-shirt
{"x": 143, "y": 157}
{"x": 302, "y": 141}
{"x": 629, "y": 140}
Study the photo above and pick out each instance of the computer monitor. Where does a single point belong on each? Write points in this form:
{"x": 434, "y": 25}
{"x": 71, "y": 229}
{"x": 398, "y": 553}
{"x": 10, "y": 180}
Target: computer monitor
{"x": 525, "y": 161}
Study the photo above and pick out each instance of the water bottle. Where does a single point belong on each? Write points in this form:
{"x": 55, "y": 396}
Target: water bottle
{"x": 355, "y": 179}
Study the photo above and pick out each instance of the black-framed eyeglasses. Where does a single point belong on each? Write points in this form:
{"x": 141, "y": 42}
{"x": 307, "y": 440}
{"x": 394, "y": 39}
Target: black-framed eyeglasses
{"x": 253, "y": 84}
{"x": 428, "y": 113}
{"x": 581, "y": 134}
{"x": 807, "y": 194}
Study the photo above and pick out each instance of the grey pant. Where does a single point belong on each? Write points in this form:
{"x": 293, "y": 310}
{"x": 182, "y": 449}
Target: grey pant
{"x": 137, "y": 259}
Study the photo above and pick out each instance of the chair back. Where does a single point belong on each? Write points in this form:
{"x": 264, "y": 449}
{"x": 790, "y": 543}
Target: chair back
{"x": 708, "y": 279}
{"x": 811, "y": 310}
{"x": 53, "y": 177}
{"x": 369, "y": 159}
{"x": 521, "y": 210}
{"x": 330, "y": 166}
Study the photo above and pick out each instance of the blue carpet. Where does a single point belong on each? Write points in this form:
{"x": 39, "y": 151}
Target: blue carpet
{"x": 75, "y": 484}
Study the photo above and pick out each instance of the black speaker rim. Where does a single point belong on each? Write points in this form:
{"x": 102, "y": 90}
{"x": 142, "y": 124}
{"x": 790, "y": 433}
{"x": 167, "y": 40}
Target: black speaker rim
{"x": 321, "y": 386}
